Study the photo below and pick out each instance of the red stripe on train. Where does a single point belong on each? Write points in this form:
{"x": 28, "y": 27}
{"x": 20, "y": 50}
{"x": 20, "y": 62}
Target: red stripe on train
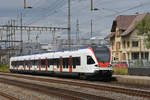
{"x": 61, "y": 61}
{"x": 39, "y": 64}
{"x": 46, "y": 61}
{"x": 70, "y": 64}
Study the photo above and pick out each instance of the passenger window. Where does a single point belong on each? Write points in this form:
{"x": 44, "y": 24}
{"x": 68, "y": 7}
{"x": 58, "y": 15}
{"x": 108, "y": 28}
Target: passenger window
{"x": 90, "y": 60}
{"x": 65, "y": 62}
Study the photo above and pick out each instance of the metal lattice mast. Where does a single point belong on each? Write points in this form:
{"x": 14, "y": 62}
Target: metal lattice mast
{"x": 69, "y": 25}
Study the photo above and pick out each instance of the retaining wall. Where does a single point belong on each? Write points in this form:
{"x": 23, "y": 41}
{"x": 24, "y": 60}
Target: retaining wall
{"x": 139, "y": 71}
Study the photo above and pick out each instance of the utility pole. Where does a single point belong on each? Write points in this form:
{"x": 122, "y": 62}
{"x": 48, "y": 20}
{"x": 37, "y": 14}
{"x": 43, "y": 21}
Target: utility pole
{"x": 21, "y": 34}
{"x": 24, "y": 4}
{"x": 69, "y": 25}
{"x": 91, "y": 5}
{"x": 91, "y": 28}
{"x": 92, "y": 8}
{"x": 14, "y": 34}
{"x": 28, "y": 33}
{"x": 77, "y": 31}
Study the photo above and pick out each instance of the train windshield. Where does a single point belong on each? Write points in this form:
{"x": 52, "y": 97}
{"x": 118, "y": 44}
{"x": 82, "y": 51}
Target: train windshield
{"x": 102, "y": 54}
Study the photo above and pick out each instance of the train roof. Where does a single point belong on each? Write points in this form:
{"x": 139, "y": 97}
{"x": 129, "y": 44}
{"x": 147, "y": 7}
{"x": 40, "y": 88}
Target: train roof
{"x": 73, "y": 49}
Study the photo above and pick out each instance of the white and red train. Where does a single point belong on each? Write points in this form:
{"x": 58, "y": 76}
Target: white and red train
{"x": 84, "y": 62}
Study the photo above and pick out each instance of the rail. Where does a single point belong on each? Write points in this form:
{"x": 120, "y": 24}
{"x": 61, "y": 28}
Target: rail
{"x": 8, "y": 96}
{"x": 127, "y": 91}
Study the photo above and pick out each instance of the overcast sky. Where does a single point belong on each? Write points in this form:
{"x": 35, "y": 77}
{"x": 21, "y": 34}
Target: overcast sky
{"x": 54, "y": 13}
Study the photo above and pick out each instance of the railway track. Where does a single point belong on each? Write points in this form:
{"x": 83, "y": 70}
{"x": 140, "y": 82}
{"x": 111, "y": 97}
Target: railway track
{"x": 9, "y": 97}
{"x": 127, "y": 91}
{"x": 63, "y": 93}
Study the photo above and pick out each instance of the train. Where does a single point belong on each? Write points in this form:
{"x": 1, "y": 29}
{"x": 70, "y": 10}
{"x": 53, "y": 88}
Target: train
{"x": 85, "y": 62}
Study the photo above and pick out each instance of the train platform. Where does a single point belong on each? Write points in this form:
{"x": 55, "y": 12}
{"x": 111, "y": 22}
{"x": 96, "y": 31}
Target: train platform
{"x": 130, "y": 79}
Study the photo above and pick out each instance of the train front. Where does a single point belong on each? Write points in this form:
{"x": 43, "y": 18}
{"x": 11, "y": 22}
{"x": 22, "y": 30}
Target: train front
{"x": 103, "y": 56}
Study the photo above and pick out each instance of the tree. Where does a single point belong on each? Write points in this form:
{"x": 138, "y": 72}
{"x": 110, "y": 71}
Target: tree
{"x": 143, "y": 28}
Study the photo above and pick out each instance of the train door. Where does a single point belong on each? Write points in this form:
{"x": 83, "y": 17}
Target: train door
{"x": 55, "y": 65}
{"x": 24, "y": 65}
{"x": 39, "y": 63}
{"x": 61, "y": 64}
{"x": 70, "y": 64}
{"x": 46, "y": 64}
{"x": 29, "y": 64}
{"x": 90, "y": 63}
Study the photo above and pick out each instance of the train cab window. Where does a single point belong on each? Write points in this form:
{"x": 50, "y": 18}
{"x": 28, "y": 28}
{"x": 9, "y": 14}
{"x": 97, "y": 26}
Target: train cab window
{"x": 90, "y": 60}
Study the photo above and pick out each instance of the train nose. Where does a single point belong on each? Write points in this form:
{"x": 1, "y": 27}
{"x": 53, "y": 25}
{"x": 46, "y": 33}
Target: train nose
{"x": 103, "y": 64}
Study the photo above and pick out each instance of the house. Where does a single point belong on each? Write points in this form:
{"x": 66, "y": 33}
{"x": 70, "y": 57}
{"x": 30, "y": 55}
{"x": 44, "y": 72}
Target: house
{"x": 126, "y": 45}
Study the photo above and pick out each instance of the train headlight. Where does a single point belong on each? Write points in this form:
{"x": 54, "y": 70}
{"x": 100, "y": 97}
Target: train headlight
{"x": 96, "y": 65}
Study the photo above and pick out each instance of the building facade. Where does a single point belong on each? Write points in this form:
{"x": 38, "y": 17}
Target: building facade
{"x": 126, "y": 45}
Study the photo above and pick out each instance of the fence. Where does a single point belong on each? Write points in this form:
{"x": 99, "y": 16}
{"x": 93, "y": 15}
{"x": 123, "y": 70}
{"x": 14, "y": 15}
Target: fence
{"x": 136, "y": 67}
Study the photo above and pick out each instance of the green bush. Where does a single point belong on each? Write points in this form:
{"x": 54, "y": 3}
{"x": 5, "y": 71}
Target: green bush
{"x": 3, "y": 65}
{"x": 120, "y": 71}
{"x": 4, "y": 68}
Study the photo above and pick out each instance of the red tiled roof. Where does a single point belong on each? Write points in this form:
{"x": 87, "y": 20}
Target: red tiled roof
{"x": 134, "y": 22}
{"x": 127, "y": 23}
{"x": 123, "y": 21}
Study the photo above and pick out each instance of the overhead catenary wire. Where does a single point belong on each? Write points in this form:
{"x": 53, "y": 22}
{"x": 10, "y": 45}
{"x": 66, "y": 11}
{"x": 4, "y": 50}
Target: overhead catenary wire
{"x": 52, "y": 12}
{"x": 31, "y": 12}
{"x": 49, "y": 11}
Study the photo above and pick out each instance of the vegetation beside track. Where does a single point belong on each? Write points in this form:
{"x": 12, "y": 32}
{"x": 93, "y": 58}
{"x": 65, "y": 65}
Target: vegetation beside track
{"x": 4, "y": 68}
{"x": 120, "y": 70}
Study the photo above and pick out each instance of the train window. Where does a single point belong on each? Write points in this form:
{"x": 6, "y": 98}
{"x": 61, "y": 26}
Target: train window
{"x": 43, "y": 63}
{"x": 39, "y": 63}
{"x": 50, "y": 62}
{"x": 76, "y": 61}
{"x": 32, "y": 62}
{"x": 90, "y": 60}
{"x": 26, "y": 63}
{"x": 36, "y": 62}
{"x": 56, "y": 62}
{"x": 21, "y": 63}
{"x": 17, "y": 63}
{"x": 12, "y": 63}
{"x": 65, "y": 62}
{"x": 29, "y": 63}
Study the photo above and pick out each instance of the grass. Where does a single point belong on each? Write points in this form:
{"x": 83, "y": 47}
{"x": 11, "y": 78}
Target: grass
{"x": 120, "y": 71}
{"x": 4, "y": 68}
